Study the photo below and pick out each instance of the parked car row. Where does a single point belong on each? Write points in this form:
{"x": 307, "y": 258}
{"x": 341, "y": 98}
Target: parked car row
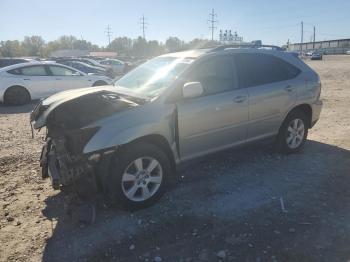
{"x": 24, "y": 79}
{"x": 20, "y": 83}
{"x": 108, "y": 67}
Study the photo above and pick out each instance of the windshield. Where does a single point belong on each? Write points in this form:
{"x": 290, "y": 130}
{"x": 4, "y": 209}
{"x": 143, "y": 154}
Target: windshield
{"x": 154, "y": 76}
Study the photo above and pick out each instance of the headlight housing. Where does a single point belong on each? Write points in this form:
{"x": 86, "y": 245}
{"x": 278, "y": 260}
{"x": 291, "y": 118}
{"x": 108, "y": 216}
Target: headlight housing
{"x": 77, "y": 139}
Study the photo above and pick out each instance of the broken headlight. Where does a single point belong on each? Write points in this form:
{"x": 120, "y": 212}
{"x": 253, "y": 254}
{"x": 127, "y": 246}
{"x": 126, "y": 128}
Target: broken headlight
{"x": 77, "y": 139}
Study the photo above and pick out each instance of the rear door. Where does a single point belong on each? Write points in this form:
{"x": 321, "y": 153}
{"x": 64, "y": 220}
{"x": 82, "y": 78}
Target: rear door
{"x": 66, "y": 78}
{"x": 272, "y": 85}
{"x": 218, "y": 118}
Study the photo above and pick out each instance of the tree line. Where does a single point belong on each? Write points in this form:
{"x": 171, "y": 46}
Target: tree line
{"x": 36, "y": 46}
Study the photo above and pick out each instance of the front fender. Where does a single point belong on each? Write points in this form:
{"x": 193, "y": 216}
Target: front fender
{"x": 115, "y": 135}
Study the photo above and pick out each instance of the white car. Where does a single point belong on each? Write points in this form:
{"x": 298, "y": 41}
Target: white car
{"x": 21, "y": 83}
{"x": 117, "y": 66}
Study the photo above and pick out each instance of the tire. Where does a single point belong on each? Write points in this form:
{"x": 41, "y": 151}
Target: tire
{"x": 129, "y": 184}
{"x": 293, "y": 132}
{"x": 100, "y": 83}
{"x": 16, "y": 95}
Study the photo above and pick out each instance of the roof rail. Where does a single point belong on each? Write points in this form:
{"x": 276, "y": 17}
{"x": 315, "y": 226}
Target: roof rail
{"x": 223, "y": 47}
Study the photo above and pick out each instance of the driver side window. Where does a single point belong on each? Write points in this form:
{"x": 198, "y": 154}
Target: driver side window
{"x": 216, "y": 74}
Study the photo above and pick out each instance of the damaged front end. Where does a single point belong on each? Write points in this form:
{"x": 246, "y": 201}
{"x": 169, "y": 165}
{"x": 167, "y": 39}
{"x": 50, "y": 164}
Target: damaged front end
{"x": 70, "y": 126}
{"x": 63, "y": 161}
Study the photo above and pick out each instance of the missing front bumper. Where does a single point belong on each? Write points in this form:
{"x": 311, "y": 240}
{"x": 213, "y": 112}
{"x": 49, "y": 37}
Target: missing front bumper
{"x": 63, "y": 168}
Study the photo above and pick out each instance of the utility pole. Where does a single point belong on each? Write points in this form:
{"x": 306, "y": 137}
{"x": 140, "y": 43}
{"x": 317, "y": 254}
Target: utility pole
{"x": 313, "y": 44}
{"x": 302, "y": 37}
{"x": 212, "y": 21}
{"x": 143, "y": 26}
{"x": 109, "y": 34}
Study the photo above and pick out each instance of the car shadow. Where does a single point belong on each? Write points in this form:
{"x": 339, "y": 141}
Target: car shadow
{"x": 228, "y": 184}
{"x": 4, "y": 109}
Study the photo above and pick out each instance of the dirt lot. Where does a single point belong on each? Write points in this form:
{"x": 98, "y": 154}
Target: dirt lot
{"x": 228, "y": 206}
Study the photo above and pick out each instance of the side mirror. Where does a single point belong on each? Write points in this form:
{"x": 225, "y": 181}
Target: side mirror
{"x": 192, "y": 89}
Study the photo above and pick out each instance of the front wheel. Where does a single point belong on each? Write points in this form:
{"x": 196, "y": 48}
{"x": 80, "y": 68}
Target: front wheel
{"x": 138, "y": 176}
{"x": 293, "y": 132}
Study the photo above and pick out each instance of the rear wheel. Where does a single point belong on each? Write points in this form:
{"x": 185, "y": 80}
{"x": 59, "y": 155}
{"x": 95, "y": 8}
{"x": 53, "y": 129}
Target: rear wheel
{"x": 16, "y": 95}
{"x": 293, "y": 132}
{"x": 138, "y": 176}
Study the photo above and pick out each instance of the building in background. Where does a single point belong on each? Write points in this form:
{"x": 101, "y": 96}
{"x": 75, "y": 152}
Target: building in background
{"x": 226, "y": 37}
{"x": 331, "y": 47}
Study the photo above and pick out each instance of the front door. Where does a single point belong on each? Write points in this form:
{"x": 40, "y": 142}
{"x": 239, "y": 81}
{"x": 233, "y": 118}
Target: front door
{"x": 218, "y": 118}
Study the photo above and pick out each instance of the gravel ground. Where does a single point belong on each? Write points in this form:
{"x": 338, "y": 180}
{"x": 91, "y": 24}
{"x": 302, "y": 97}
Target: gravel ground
{"x": 226, "y": 208}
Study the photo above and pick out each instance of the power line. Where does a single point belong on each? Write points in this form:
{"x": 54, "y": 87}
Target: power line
{"x": 143, "y": 26}
{"x": 213, "y": 22}
{"x": 109, "y": 34}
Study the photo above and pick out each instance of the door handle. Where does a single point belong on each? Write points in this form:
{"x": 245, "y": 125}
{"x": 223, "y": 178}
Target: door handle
{"x": 26, "y": 79}
{"x": 289, "y": 88}
{"x": 58, "y": 78}
{"x": 239, "y": 99}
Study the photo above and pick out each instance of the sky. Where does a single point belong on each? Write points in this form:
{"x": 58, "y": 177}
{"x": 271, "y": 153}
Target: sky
{"x": 272, "y": 21}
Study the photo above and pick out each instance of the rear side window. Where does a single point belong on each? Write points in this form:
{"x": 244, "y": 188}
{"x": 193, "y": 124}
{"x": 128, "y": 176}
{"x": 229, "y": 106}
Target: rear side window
{"x": 34, "y": 71}
{"x": 16, "y": 71}
{"x": 62, "y": 71}
{"x": 216, "y": 75}
{"x": 261, "y": 69}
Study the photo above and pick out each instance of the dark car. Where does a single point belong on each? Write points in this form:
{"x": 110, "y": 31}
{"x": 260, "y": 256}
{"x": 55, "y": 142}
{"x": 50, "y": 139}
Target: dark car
{"x": 316, "y": 56}
{"x": 88, "y": 69}
{"x": 12, "y": 61}
{"x": 88, "y": 61}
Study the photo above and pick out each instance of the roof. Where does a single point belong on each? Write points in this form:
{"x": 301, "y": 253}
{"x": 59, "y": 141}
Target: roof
{"x": 246, "y": 46}
{"x": 195, "y": 53}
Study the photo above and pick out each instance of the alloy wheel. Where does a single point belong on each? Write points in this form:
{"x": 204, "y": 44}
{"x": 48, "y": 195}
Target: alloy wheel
{"x": 295, "y": 133}
{"x": 142, "y": 179}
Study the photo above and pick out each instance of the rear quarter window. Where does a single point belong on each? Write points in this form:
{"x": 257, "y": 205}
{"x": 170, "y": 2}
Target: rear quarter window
{"x": 16, "y": 71}
{"x": 260, "y": 69}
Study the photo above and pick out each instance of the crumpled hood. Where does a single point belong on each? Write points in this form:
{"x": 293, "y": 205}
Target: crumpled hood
{"x": 83, "y": 103}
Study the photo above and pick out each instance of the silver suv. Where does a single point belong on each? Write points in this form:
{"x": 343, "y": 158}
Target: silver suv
{"x": 129, "y": 139}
